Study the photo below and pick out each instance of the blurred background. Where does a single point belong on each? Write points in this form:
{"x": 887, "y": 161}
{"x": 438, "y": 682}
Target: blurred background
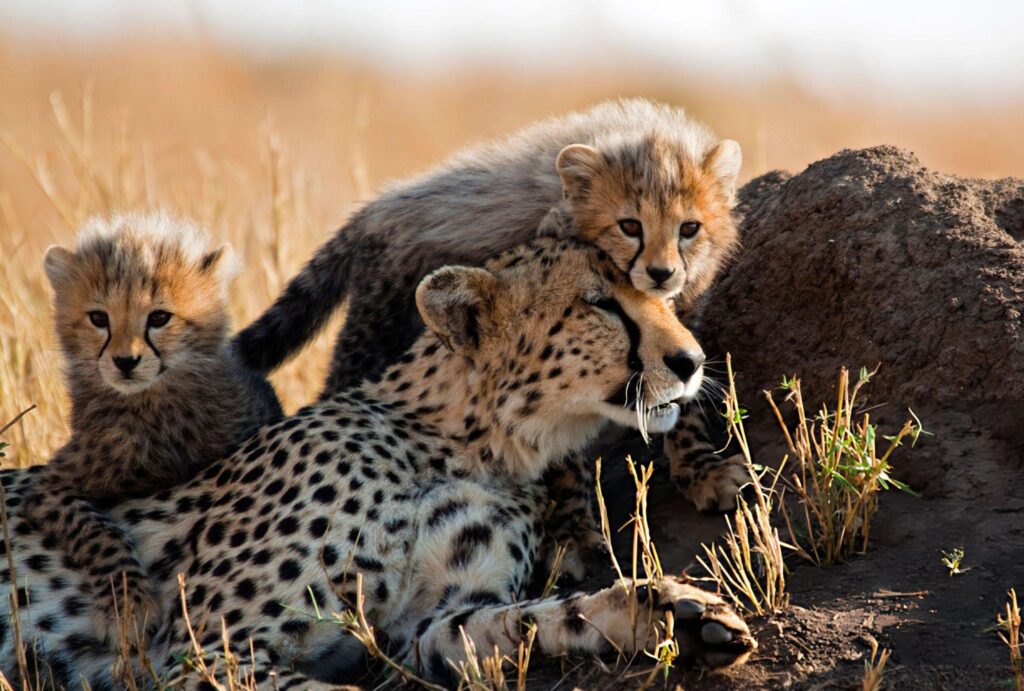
{"x": 269, "y": 121}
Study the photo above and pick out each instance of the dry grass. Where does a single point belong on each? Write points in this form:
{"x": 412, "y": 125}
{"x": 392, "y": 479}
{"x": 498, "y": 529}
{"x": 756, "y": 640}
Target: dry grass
{"x": 841, "y": 469}
{"x": 645, "y": 564}
{"x": 1011, "y": 635}
{"x": 273, "y": 155}
{"x": 274, "y": 236}
{"x": 748, "y": 564}
{"x": 874, "y": 668}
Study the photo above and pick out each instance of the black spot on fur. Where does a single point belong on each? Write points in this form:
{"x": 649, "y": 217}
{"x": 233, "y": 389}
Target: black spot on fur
{"x": 573, "y": 618}
{"x": 457, "y": 621}
{"x": 471, "y": 538}
{"x": 289, "y": 570}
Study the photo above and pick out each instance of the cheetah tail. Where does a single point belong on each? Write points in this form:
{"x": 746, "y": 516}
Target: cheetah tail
{"x": 301, "y": 310}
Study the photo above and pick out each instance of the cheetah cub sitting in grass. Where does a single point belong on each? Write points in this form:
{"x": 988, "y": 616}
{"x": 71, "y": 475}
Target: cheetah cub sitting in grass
{"x": 155, "y": 393}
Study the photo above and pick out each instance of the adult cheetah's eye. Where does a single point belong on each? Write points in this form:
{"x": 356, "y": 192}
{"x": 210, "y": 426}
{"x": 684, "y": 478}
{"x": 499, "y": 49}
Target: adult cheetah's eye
{"x": 631, "y": 227}
{"x": 687, "y": 229}
{"x": 99, "y": 319}
{"x": 157, "y": 319}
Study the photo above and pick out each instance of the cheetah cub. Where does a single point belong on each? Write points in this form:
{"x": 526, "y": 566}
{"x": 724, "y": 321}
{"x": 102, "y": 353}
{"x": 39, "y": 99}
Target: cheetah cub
{"x": 156, "y": 394}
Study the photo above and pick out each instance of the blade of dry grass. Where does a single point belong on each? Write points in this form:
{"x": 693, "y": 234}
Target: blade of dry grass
{"x": 1011, "y": 635}
{"x": 874, "y": 668}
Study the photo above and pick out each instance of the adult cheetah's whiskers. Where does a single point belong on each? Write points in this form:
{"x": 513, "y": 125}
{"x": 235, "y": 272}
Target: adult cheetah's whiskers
{"x": 641, "y": 409}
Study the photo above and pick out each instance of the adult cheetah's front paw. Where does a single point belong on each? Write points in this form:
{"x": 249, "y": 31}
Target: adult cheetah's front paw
{"x": 126, "y": 611}
{"x": 713, "y": 482}
{"x": 709, "y": 630}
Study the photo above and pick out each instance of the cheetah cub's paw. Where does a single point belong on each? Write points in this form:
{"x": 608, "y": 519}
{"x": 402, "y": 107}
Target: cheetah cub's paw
{"x": 709, "y": 631}
{"x": 712, "y": 482}
{"x": 132, "y": 619}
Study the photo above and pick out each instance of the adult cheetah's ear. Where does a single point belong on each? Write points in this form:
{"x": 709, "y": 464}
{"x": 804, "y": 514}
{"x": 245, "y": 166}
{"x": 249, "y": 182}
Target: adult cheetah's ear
{"x": 452, "y": 300}
{"x": 724, "y": 161}
{"x": 578, "y": 165}
{"x": 59, "y": 265}
{"x": 222, "y": 263}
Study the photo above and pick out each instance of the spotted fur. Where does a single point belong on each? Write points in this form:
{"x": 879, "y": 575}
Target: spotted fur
{"x": 153, "y": 400}
{"x": 427, "y": 481}
{"x": 584, "y": 175}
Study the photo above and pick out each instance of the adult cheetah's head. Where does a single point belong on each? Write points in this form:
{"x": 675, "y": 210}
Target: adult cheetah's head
{"x": 139, "y": 300}
{"x": 560, "y": 341}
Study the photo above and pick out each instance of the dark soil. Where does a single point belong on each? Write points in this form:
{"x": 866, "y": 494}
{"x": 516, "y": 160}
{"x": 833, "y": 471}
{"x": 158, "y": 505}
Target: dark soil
{"x": 867, "y": 258}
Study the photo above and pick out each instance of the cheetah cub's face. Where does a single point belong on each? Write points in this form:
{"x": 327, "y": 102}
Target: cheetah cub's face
{"x": 661, "y": 211}
{"x": 140, "y": 300}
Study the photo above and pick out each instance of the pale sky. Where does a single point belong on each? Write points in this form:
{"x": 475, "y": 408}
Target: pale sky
{"x": 918, "y": 49}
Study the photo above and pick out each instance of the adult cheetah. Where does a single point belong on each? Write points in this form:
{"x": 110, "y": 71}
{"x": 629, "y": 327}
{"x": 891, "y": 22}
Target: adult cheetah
{"x": 427, "y": 482}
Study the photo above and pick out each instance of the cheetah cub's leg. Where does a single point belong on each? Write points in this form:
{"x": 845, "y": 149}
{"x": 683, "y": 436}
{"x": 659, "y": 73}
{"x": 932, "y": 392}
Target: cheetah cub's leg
{"x": 101, "y": 550}
{"x": 571, "y": 523}
{"x": 708, "y": 630}
{"x": 707, "y": 479}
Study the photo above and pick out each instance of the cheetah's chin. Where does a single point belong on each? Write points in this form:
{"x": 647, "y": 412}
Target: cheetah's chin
{"x": 660, "y": 418}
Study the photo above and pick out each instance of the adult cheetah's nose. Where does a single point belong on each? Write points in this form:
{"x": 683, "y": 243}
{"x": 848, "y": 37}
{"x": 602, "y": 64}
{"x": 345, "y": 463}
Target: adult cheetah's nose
{"x": 126, "y": 364}
{"x": 684, "y": 363}
{"x": 660, "y": 274}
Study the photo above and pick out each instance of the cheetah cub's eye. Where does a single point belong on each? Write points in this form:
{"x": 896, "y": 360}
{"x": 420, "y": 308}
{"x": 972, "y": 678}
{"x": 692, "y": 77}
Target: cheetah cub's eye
{"x": 688, "y": 229}
{"x": 157, "y": 319}
{"x": 631, "y": 227}
{"x": 99, "y": 319}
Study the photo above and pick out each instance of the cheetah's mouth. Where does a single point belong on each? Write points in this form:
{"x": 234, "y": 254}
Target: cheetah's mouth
{"x": 662, "y": 418}
{"x": 656, "y": 419}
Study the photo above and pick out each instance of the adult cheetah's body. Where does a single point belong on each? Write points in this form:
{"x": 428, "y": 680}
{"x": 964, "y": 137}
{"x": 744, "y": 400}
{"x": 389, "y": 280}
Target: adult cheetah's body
{"x": 427, "y": 482}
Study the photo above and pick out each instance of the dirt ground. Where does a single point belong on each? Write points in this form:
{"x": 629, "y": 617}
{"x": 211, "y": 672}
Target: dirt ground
{"x": 867, "y": 258}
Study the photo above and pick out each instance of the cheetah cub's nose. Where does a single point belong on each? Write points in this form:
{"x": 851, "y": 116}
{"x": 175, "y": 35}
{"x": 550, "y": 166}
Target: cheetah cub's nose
{"x": 127, "y": 364}
{"x": 684, "y": 363}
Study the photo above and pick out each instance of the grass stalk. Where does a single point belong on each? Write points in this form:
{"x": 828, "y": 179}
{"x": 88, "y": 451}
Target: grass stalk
{"x": 1010, "y": 623}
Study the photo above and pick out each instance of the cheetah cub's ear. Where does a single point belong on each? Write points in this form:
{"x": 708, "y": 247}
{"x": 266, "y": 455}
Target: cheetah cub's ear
{"x": 222, "y": 263}
{"x": 724, "y": 161}
{"x": 59, "y": 265}
{"x": 452, "y": 300}
{"x": 578, "y": 165}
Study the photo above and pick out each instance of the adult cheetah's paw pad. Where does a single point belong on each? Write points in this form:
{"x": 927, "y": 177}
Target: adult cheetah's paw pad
{"x": 709, "y": 631}
{"x": 715, "y": 488}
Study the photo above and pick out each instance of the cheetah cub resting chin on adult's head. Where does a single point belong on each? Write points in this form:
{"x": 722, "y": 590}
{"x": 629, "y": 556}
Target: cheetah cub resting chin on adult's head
{"x": 141, "y": 312}
{"x": 649, "y": 185}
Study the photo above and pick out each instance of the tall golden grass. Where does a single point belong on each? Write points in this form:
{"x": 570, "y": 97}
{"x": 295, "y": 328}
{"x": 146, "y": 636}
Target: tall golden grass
{"x": 273, "y": 155}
